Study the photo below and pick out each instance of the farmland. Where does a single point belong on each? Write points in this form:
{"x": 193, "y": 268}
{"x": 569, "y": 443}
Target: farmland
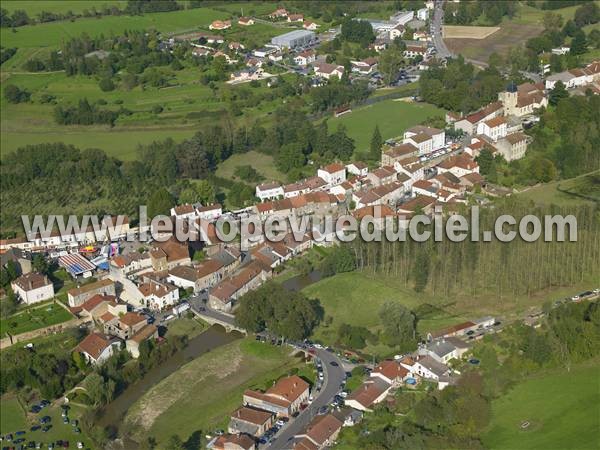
{"x": 392, "y": 117}
{"x": 560, "y": 408}
{"x": 202, "y": 394}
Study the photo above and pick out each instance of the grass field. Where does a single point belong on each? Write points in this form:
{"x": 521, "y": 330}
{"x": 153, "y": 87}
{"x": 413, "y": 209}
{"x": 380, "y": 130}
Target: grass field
{"x": 566, "y": 192}
{"x": 186, "y": 327}
{"x": 561, "y": 407}
{"x": 467, "y": 32}
{"x": 52, "y": 34}
{"x": 13, "y": 418}
{"x": 262, "y": 163}
{"x": 34, "y": 7}
{"x": 34, "y": 318}
{"x": 201, "y": 395}
{"x": 392, "y": 117}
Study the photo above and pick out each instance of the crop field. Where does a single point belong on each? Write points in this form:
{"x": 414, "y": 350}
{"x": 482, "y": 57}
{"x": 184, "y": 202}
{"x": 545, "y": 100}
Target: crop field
{"x": 392, "y": 117}
{"x": 553, "y": 411}
{"x": 467, "y": 32}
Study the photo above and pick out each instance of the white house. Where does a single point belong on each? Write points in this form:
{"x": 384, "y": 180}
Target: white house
{"x": 364, "y": 67}
{"x": 459, "y": 165}
{"x": 185, "y": 211}
{"x": 493, "y": 128}
{"x": 210, "y": 212}
{"x": 267, "y": 191}
{"x": 438, "y": 137}
{"x": 371, "y": 392}
{"x": 358, "y": 168}
{"x": 157, "y": 296}
{"x": 246, "y": 21}
{"x": 305, "y": 58}
{"x": 308, "y": 25}
{"x": 33, "y": 287}
{"x": 325, "y": 70}
{"x": 97, "y": 348}
{"x": 333, "y": 173}
{"x": 413, "y": 51}
{"x": 397, "y": 32}
{"x": 423, "y": 14}
{"x": 428, "y": 368}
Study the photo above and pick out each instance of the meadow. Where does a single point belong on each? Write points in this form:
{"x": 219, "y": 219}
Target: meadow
{"x": 561, "y": 408}
{"x": 200, "y": 396}
{"x": 34, "y": 7}
{"x": 392, "y": 116}
{"x": 34, "y": 318}
{"x": 261, "y": 162}
{"x": 583, "y": 190}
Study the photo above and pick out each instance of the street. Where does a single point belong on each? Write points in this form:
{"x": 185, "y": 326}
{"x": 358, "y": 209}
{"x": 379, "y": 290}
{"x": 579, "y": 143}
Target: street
{"x": 438, "y": 41}
{"x": 333, "y": 378}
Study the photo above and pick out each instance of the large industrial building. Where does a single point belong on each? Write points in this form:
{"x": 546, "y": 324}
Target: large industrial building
{"x": 294, "y": 39}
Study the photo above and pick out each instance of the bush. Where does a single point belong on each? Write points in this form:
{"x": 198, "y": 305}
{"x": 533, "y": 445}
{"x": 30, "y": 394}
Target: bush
{"x": 13, "y": 94}
{"x": 157, "y": 109}
{"x": 106, "y": 84}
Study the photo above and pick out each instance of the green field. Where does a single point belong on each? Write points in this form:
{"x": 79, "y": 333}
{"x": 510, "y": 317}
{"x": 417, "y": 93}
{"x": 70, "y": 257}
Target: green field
{"x": 13, "y": 418}
{"x": 34, "y": 7}
{"x": 201, "y": 395}
{"x": 52, "y": 34}
{"x": 34, "y": 318}
{"x": 392, "y": 117}
{"x": 262, "y": 163}
{"x": 561, "y": 408}
{"x": 356, "y": 297}
{"x": 566, "y": 192}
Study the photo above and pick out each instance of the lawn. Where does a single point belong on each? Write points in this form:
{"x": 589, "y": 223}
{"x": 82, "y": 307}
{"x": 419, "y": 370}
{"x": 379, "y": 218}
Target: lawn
{"x": 201, "y": 395}
{"x": 561, "y": 408}
{"x": 52, "y": 34}
{"x": 13, "y": 418}
{"x": 34, "y": 7}
{"x": 34, "y": 318}
{"x": 392, "y": 116}
{"x": 186, "y": 327}
{"x": 261, "y": 162}
{"x": 356, "y": 297}
{"x": 566, "y": 192}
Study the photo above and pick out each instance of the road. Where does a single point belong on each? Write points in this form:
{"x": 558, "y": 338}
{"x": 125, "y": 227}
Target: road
{"x": 198, "y": 305}
{"x": 438, "y": 40}
{"x": 333, "y": 378}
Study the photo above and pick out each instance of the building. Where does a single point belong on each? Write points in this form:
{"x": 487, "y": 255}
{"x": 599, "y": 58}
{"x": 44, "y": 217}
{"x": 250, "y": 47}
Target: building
{"x": 97, "y": 348}
{"x": 147, "y": 333}
{"x": 513, "y": 146}
{"x": 210, "y": 212}
{"x": 469, "y": 123}
{"x": 232, "y": 442}
{"x": 295, "y": 18}
{"x": 326, "y": 70}
{"x": 430, "y": 369}
{"x": 126, "y": 325}
{"x": 305, "y": 58}
{"x": 77, "y": 296}
{"x": 370, "y": 393}
{"x": 268, "y": 191}
{"x": 220, "y": 25}
{"x": 392, "y": 372}
{"x": 321, "y": 432}
{"x": 397, "y": 153}
{"x": 157, "y": 295}
{"x": 421, "y": 133}
{"x": 246, "y": 21}
{"x": 458, "y": 165}
{"x": 251, "y": 421}
{"x": 523, "y": 100}
{"x": 33, "y": 287}
{"x": 309, "y": 25}
{"x": 441, "y": 350}
{"x": 223, "y": 295}
{"x": 358, "y": 168}
{"x": 333, "y": 173}
{"x": 493, "y": 128}
{"x": 414, "y": 50}
{"x": 283, "y": 399}
{"x": 278, "y": 13}
{"x": 294, "y": 39}
{"x": 364, "y": 67}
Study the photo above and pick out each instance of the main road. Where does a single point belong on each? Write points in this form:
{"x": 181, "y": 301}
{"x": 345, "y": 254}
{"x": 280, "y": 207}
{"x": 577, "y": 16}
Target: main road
{"x": 438, "y": 38}
{"x": 334, "y": 375}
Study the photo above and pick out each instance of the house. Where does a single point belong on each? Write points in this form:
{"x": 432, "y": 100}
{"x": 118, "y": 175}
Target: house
{"x": 210, "y": 212}
{"x": 232, "y": 442}
{"x": 325, "y": 70}
{"x": 493, "y": 128}
{"x": 524, "y": 99}
{"x": 423, "y": 14}
{"x": 469, "y": 123}
{"x": 397, "y": 153}
{"x": 157, "y": 295}
{"x": 513, "y": 146}
{"x": 308, "y": 25}
{"x": 420, "y": 203}
{"x": 268, "y": 191}
{"x": 126, "y": 325}
{"x": 77, "y": 296}
{"x": 170, "y": 253}
{"x": 333, "y": 173}
{"x": 321, "y": 432}
{"x": 295, "y": 18}
{"x": 423, "y": 134}
{"x": 97, "y": 348}
{"x": 441, "y": 350}
{"x": 425, "y": 187}
{"x": 20, "y": 260}
{"x": 200, "y": 51}
{"x": 278, "y": 13}
{"x": 382, "y": 175}
{"x": 305, "y": 58}
{"x": 148, "y": 333}
{"x": 276, "y": 57}
{"x": 33, "y": 287}
{"x": 430, "y": 369}
{"x": 456, "y": 330}
{"x": 358, "y": 168}
{"x": 131, "y": 262}
{"x": 371, "y": 392}
{"x": 100, "y": 304}
{"x": 251, "y": 421}
{"x": 392, "y": 372}
{"x": 283, "y": 399}
{"x": 220, "y": 25}
{"x": 185, "y": 211}
{"x": 459, "y": 165}
{"x": 222, "y": 296}
{"x": 364, "y": 67}
{"x": 414, "y": 50}
{"x": 245, "y": 21}
{"x": 566, "y": 77}
{"x": 397, "y": 32}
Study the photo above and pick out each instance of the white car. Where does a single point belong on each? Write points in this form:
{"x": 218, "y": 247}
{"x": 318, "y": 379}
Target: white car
{"x": 80, "y": 445}
{"x": 319, "y": 346}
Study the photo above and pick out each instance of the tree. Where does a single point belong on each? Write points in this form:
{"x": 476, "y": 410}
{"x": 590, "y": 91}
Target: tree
{"x": 390, "y": 63}
{"x": 556, "y": 64}
{"x": 40, "y": 264}
{"x": 376, "y": 143}
{"x": 579, "y": 43}
{"x": 552, "y": 21}
{"x": 174, "y": 443}
{"x": 106, "y": 85}
{"x": 586, "y": 14}
{"x": 160, "y": 202}
{"x": 290, "y": 156}
{"x": 399, "y": 324}
{"x": 421, "y": 270}
{"x": 14, "y": 94}
{"x": 558, "y": 93}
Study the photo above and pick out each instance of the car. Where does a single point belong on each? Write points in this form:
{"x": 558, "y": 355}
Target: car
{"x": 320, "y": 375}
{"x": 318, "y": 346}
{"x": 44, "y": 403}
{"x": 18, "y": 441}
{"x": 322, "y": 410}
{"x": 50, "y": 446}
{"x": 334, "y": 364}
{"x": 19, "y": 433}
{"x": 45, "y": 419}
{"x": 66, "y": 420}
{"x": 46, "y": 428}
{"x": 65, "y": 444}
{"x": 280, "y": 423}
{"x": 80, "y": 444}
{"x": 35, "y": 428}
{"x": 344, "y": 394}
{"x": 36, "y": 409}
{"x": 219, "y": 432}
{"x": 77, "y": 430}
{"x": 470, "y": 333}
